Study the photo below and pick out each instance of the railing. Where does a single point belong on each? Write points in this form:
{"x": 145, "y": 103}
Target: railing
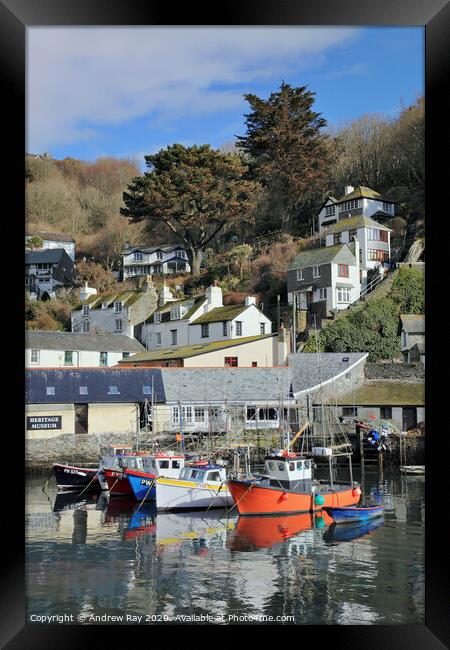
{"x": 368, "y": 288}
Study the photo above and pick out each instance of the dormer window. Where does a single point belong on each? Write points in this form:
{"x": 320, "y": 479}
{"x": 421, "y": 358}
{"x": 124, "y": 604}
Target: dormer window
{"x": 177, "y": 312}
{"x": 104, "y": 305}
{"x": 138, "y": 257}
{"x": 157, "y": 317}
{"x": 117, "y": 306}
{"x": 159, "y": 255}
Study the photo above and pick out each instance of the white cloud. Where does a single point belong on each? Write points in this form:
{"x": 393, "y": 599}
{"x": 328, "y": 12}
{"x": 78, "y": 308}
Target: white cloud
{"x": 82, "y": 79}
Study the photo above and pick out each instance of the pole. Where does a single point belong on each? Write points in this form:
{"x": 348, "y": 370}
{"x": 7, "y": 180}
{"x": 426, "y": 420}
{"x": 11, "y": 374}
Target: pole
{"x": 181, "y": 427}
{"x": 361, "y": 447}
{"x": 278, "y": 312}
{"x": 294, "y": 335}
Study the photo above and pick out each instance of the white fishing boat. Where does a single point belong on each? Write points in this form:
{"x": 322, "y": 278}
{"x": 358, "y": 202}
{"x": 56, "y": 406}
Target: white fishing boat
{"x": 199, "y": 487}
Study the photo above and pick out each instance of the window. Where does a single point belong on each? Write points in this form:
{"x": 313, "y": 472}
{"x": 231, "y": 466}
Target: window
{"x": 213, "y": 476}
{"x": 262, "y": 328}
{"x": 175, "y": 415}
{"x": 300, "y": 464}
{"x": 146, "y": 390}
{"x": 85, "y": 326}
{"x": 268, "y": 414}
{"x": 125, "y": 355}
{"x": 175, "y": 313}
{"x": 251, "y": 413}
{"x": 50, "y": 390}
{"x": 27, "y": 279}
{"x": 117, "y": 306}
{"x": 238, "y": 328}
{"x": 349, "y": 205}
{"x": 376, "y": 255}
{"x": 35, "y": 354}
{"x": 113, "y": 390}
{"x": 138, "y": 257}
{"x": 105, "y": 305}
{"x": 231, "y": 362}
{"x": 291, "y": 467}
{"x": 337, "y": 238}
{"x": 205, "y": 330}
{"x": 386, "y": 412}
{"x": 83, "y": 390}
{"x": 103, "y": 358}
{"x": 343, "y": 294}
{"x": 387, "y": 207}
{"x": 173, "y": 337}
{"x": 316, "y": 271}
{"x": 159, "y": 255}
{"x": 199, "y": 414}
{"x": 374, "y": 234}
{"x": 225, "y": 328}
{"x": 118, "y": 325}
{"x": 85, "y": 310}
{"x": 254, "y": 364}
{"x": 322, "y": 294}
{"x": 157, "y": 317}
{"x": 343, "y": 270}
{"x": 281, "y": 467}
{"x": 351, "y": 234}
{"x": 163, "y": 464}
{"x": 187, "y": 414}
{"x": 300, "y": 274}
{"x": 329, "y": 210}
{"x": 349, "y": 411}
{"x": 158, "y": 338}
{"x": 68, "y": 358}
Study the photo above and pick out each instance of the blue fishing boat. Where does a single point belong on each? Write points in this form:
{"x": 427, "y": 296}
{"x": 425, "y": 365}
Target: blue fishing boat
{"x": 350, "y": 514}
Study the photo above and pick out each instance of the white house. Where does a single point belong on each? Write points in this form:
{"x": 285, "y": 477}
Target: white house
{"x": 44, "y": 349}
{"x": 117, "y": 313}
{"x": 356, "y": 201}
{"x": 202, "y": 319}
{"x": 413, "y": 337}
{"x": 46, "y": 271}
{"x": 154, "y": 260}
{"x": 54, "y": 240}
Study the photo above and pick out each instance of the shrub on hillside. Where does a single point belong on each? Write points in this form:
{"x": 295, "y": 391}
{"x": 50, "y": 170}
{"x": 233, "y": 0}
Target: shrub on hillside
{"x": 408, "y": 290}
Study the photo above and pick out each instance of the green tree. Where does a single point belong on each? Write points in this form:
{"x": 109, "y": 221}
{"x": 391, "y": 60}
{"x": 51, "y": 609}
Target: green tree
{"x": 195, "y": 191}
{"x": 35, "y": 242}
{"x": 288, "y": 152}
{"x": 408, "y": 290}
{"x": 240, "y": 254}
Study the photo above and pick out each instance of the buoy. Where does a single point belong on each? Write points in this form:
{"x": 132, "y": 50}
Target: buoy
{"x": 319, "y": 500}
{"x": 356, "y": 492}
{"x": 319, "y": 521}
{"x": 283, "y": 497}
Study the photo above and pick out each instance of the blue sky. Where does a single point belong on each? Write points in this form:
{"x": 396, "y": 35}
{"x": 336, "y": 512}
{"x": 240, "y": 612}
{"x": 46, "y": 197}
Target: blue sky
{"x": 125, "y": 92}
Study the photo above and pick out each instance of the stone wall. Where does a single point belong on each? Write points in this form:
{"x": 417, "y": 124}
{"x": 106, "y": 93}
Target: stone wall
{"x": 399, "y": 371}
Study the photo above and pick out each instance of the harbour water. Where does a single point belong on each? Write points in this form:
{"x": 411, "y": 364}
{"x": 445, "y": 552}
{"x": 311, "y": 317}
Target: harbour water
{"x": 104, "y": 561}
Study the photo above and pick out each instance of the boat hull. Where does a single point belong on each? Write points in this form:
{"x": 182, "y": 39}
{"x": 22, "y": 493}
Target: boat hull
{"x": 175, "y": 495}
{"x": 70, "y": 477}
{"x": 142, "y": 484}
{"x": 118, "y": 484}
{"x": 253, "y": 499}
{"x": 352, "y": 515}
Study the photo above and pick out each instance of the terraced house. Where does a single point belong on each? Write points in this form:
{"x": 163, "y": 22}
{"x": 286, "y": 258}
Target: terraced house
{"x": 117, "y": 313}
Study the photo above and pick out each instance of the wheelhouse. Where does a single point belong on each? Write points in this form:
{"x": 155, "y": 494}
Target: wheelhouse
{"x": 168, "y": 465}
{"x": 290, "y": 470}
{"x": 204, "y": 473}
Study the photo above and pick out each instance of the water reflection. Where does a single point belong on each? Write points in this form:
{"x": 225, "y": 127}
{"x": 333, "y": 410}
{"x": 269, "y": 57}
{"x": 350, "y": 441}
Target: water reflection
{"x": 95, "y": 554}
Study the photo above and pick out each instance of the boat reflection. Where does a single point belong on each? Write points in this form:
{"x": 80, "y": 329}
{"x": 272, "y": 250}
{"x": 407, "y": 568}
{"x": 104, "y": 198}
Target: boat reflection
{"x": 253, "y": 533}
{"x": 349, "y": 532}
{"x": 74, "y": 500}
{"x": 143, "y": 520}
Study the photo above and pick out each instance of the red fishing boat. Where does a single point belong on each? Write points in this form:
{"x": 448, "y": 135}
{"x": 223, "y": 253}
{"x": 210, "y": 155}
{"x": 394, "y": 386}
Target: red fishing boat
{"x": 287, "y": 486}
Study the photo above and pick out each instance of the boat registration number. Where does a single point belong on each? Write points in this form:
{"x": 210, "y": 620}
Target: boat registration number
{"x": 74, "y": 471}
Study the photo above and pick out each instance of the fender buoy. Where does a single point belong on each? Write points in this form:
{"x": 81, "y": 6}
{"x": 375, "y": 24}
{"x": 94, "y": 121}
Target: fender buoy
{"x": 356, "y": 492}
{"x": 319, "y": 500}
{"x": 283, "y": 497}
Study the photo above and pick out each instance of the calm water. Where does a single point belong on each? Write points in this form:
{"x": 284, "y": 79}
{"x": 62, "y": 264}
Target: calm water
{"x": 106, "y": 559}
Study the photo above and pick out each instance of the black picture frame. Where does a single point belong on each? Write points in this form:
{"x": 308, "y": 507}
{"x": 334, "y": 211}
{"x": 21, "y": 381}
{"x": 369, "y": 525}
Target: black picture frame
{"x": 15, "y": 16}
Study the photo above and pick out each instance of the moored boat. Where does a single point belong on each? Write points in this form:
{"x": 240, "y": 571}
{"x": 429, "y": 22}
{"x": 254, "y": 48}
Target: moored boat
{"x": 351, "y": 514}
{"x": 143, "y": 481}
{"x": 199, "y": 487}
{"x": 352, "y": 531}
{"x": 288, "y": 487}
{"x": 70, "y": 477}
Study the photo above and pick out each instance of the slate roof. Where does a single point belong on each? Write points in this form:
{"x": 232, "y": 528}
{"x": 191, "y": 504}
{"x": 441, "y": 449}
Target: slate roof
{"x": 413, "y": 323}
{"x": 167, "y": 248}
{"x": 385, "y": 393}
{"x": 236, "y": 385}
{"x": 45, "y": 256}
{"x": 186, "y": 351}
{"x": 361, "y": 192}
{"x": 96, "y": 301}
{"x": 353, "y": 223}
{"x": 165, "y": 309}
{"x": 43, "y": 340}
{"x": 307, "y": 373}
{"x": 315, "y": 256}
{"x": 129, "y": 383}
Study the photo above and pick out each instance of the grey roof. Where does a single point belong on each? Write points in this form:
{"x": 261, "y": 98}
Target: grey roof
{"x": 166, "y": 248}
{"x": 310, "y": 370}
{"x": 236, "y": 385}
{"x": 45, "y": 255}
{"x": 316, "y": 256}
{"x": 413, "y": 323}
{"x": 43, "y": 340}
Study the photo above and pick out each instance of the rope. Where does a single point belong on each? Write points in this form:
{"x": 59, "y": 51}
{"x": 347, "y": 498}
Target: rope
{"x": 239, "y": 500}
{"x": 220, "y": 487}
{"x": 47, "y": 481}
{"x": 145, "y": 496}
{"x": 93, "y": 478}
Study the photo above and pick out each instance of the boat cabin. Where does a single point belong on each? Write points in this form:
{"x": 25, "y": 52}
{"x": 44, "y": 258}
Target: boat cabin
{"x": 288, "y": 470}
{"x": 169, "y": 464}
{"x": 202, "y": 473}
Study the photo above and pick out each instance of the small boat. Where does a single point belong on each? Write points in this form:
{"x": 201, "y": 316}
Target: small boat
{"x": 142, "y": 481}
{"x": 351, "y": 514}
{"x": 70, "y": 477}
{"x": 352, "y": 531}
{"x": 115, "y": 473}
{"x": 413, "y": 470}
{"x": 110, "y": 458}
{"x": 287, "y": 487}
{"x": 198, "y": 487}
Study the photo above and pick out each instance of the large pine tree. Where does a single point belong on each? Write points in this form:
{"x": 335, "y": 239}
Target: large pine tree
{"x": 288, "y": 151}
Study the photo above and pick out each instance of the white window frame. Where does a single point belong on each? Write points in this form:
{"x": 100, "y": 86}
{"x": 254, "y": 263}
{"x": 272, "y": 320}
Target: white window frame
{"x": 85, "y": 310}
{"x": 118, "y": 306}
{"x": 119, "y": 325}
{"x": 104, "y": 357}
{"x": 138, "y": 257}
{"x": 316, "y": 271}
{"x": 174, "y": 414}
{"x": 300, "y": 275}
{"x": 238, "y": 328}
{"x": 173, "y": 337}
{"x": 37, "y": 354}
{"x": 157, "y": 317}
{"x": 343, "y": 294}
{"x": 199, "y": 414}
{"x": 85, "y": 326}
{"x": 159, "y": 255}
{"x": 224, "y": 328}
{"x": 262, "y": 328}
{"x": 205, "y": 330}
{"x": 323, "y": 294}
{"x": 158, "y": 338}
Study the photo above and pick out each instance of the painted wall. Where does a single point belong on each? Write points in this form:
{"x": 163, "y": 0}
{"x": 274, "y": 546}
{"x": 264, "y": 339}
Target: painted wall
{"x": 262, "y": 351}
{"x": 81, "y": 359}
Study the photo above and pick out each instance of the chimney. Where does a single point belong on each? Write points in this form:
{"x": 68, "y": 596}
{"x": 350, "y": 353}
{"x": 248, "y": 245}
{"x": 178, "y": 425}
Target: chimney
{"x": 86, "y": 291}
{"x": 213, "y": 297}
{"x": 348, "y": 189}
{"x": 250, "y": 300}
{"x": 282, "y": 346}
{"x": 165, "y": 296}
